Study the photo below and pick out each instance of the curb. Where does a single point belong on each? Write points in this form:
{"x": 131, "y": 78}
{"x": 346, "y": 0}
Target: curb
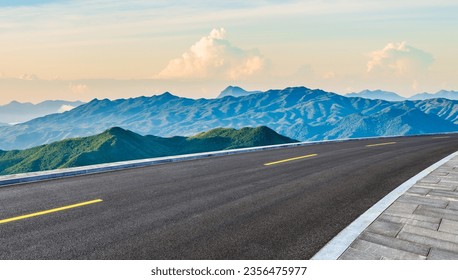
{"x": 6, "y": 180}
{"x": 337, "y": 246}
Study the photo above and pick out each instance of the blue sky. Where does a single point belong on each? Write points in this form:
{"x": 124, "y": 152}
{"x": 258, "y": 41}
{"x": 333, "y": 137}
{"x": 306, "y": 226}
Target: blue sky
{"x": 71, "y": 49}
{"x": 18, "y": 3}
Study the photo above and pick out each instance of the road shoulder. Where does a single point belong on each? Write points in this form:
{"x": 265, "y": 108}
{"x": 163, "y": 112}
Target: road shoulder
{"x": 417, "y": 220}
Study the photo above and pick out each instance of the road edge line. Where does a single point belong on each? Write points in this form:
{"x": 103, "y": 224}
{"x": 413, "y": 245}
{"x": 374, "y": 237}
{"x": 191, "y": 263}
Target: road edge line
{"x": 337, "y": 246}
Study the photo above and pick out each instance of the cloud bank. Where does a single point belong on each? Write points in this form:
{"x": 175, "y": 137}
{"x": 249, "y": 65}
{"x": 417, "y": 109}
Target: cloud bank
{"x": 399, "y": 59}
{"x": 213, "y": 56}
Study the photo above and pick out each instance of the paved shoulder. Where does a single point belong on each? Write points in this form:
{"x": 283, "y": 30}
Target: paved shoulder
{"x": 420, "y": 224}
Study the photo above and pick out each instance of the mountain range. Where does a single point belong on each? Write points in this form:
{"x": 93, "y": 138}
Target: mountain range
{"x": 117, "y": 144}
{"x": 17, "y": 112}
{"x": 392, "y": 96}
{"x": 448, "y": 94}
{"x": 296, "y": 112}
{"x": 367, "y": 94}
{"x": 377, "y": 94}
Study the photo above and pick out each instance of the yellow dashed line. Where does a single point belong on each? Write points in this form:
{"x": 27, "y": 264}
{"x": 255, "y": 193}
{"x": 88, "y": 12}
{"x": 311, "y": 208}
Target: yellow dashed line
{"x": 290, "y": 159}
{"x": 381, "y": 144}
{"x": 49, "y": 211}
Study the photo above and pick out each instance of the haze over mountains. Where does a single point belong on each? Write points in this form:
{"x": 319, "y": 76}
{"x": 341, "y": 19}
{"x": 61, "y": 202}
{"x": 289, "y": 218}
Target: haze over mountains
{"x": 449, "y": 94}
{"x": 377, "y": 94}
{"x": 117, "y": 144}
{"x": 392, "y": 96}
{"x": 16, "y": 112}
{"x": 299, "y": 113}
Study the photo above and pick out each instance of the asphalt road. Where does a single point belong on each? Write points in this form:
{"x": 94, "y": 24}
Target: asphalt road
{"x": 231, "y": 207}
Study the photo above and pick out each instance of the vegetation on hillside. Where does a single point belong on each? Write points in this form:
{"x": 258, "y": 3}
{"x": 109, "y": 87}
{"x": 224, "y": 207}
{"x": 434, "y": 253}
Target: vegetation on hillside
{"x": 117, "y": 144}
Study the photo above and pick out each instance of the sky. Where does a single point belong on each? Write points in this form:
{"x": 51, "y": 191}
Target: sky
{"x": 81, "y": 50}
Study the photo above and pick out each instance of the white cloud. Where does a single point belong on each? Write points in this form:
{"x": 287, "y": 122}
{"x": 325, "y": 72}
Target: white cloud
{"x": 399, "y": 59}
{"x": 78, "y": 88}
{"x": 214, "y": 56}
{"x": 65, "y": 108}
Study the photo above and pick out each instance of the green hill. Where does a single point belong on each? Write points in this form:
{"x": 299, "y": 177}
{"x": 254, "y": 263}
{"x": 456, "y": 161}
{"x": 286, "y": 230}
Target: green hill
{"x": 117, "y": 144}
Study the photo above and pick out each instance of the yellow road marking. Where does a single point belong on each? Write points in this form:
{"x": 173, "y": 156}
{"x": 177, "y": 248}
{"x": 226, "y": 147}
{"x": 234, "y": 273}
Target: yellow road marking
{"x": 290, "y": 159}
{"x": 49, "y": 211}
{"x": 381, "y": 144}
{"x": 441, "y": 137}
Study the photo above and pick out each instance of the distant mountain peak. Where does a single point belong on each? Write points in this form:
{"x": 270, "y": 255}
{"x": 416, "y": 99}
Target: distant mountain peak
{"x": 167, "y": 96}
{"x": 299, "y": 88}
{"x": 448, "y": 94}
{"x": 233, "y": 88}
{"x": 18, "y": 112}
{"x": 235, "y": 91}
{"x": 377, "y": 94}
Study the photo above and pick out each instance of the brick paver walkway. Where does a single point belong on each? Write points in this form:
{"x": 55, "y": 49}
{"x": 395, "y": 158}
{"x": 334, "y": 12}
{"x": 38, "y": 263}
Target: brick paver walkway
{"x": 421, "y": 224}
